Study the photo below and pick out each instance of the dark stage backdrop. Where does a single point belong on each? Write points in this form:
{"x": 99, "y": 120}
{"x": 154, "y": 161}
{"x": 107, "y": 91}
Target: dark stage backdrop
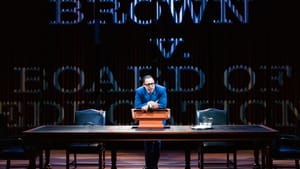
{"x": 59, "y": 56}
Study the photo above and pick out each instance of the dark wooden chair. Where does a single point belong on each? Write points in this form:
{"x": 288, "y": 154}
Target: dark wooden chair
{"x": 287, "y": 147}
{"x": 13, "y": 148}
{"x": 220, "y": 117}
{"x": 87, "y": 117}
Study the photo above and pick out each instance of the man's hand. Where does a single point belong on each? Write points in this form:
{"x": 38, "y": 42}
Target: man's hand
{"x": 153, "y": 105}
{"x": 145, "y": 108}
{"x": 150, "y": 106}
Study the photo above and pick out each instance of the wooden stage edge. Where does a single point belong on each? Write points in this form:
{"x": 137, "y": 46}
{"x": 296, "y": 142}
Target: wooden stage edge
{"x": 134, "y": 159}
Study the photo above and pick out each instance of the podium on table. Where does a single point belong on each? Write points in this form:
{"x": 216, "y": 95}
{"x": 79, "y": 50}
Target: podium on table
{"x": 153, "y": 119}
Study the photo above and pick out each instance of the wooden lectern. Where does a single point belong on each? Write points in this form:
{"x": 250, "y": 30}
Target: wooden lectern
{"x": 152, "y": 119}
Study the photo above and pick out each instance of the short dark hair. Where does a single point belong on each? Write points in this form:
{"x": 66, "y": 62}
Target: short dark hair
{"x": 147, "y": 77}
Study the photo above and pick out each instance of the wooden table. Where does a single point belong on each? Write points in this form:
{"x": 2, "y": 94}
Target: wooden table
{"x": 46, "y": 135}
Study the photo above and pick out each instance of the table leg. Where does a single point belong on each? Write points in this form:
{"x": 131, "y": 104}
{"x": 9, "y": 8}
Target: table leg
{"x": 187, "y": 158}
{"x": 263, "y": 157}
{"x": 269, "y": 164}
{"x": 41, "y": 159}
{"x": 256, "y": 153}
{"x": 113, "y": 158}
{"x": 47, "y": 157}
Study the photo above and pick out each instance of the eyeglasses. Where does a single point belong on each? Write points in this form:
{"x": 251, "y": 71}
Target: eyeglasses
{"x": 149, "y": 84}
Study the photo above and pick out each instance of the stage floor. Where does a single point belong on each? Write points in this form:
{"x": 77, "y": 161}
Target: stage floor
{"x": 134, "y": 159}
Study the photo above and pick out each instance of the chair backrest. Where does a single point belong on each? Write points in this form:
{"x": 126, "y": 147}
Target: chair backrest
{"x": 90, "y": 117}
{"x": 219, "y": 116}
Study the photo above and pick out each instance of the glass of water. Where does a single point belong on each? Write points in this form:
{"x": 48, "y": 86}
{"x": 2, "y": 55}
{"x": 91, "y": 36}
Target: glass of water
{"x": 207, "y": 121}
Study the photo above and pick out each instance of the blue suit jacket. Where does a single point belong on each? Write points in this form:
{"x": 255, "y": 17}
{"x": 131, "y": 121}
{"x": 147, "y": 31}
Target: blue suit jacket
{"x": 142, "y": 96}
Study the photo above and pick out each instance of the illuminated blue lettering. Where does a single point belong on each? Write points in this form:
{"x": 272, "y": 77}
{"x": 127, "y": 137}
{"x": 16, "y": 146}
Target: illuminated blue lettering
{"x": 167, "y": 46}
{"x": 66, "y": 15}
{"x": 68, "y": 12}
{"x": 178, "y": 71}
{"x": 186, "y": 4}
{"x": 107, "y": 77}
{"x": 244, "y": 68}
{"x": 64, "y": 69}
{"x": 134, "y": 17}
{"x": 224, "y": 19}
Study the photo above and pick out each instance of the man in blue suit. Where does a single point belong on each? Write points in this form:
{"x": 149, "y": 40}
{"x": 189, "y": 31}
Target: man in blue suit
{"x": 151, "y": 96}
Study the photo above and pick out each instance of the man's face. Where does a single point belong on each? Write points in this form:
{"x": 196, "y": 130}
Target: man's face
{"x": 149, "y": 84}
